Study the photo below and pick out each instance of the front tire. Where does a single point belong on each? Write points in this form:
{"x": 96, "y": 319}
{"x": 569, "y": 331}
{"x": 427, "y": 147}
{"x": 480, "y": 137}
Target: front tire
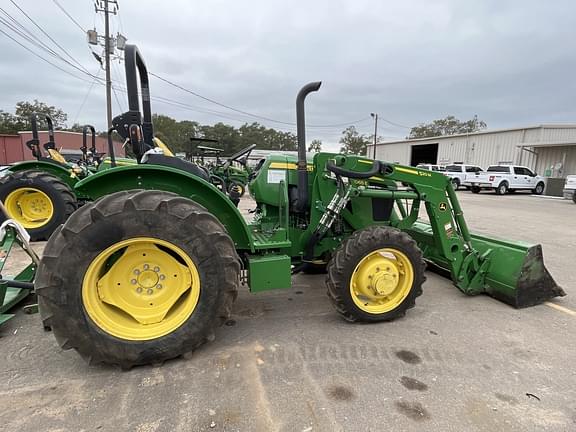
{"x": 39, "y": 201}
{"x": 475, "y": 189}
{"x": 137, "y": 277}
{"x": 375, "y": 275}
{"x": 455, "y": 183}
{"x": 236, "y": 188}
{"x": 539, "y": 189}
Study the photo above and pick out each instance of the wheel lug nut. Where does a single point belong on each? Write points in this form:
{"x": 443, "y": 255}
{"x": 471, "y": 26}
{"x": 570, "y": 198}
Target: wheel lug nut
{"x": 156, "y": 269}
{"x": 150, "y": 291}
{"x": 139, "y": 290}
{"x": 162, "y": 277}
{"x": 159, "y": 286}
{"x": 136, "y": 272}
{"x": 133, "y": 281}
{"x": 146, "y": 266}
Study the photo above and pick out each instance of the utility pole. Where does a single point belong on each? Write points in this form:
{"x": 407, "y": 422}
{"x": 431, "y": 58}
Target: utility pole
{"x": 107, "y": 57}
{"x": 375, "y": 117}
{"x": 107, "y": 7}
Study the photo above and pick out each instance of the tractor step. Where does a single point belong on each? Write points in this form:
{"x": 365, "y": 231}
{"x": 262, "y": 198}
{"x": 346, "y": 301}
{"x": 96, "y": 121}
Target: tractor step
{"x": 274, "y": 240}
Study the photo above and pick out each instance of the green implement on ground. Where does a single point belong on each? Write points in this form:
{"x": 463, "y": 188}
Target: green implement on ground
{"x": 14, "y": 290}
{"x": 151, "y": 266}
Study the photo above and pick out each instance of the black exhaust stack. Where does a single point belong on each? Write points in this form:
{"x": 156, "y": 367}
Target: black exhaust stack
{"x": 302, "y": 203}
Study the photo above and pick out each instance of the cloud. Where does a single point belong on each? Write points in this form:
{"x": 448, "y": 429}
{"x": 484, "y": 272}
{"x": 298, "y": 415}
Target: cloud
{"x": 508, "y": 62}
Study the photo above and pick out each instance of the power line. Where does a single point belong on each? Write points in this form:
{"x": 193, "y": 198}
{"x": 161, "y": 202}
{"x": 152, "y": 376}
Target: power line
{"x": 395, "y": 124}
{"x": 49, "y": 37}
{"x": 94, "y": 81}
{"x": 69, "y": 16}
{"x": 218, "y": 103}
{"x": 248, "y": 113}
{"x": 33, "y": 40}
{"x": 84, "y": 70}
{"x": 24, "y": 33}
{"x": 42, "y": 58}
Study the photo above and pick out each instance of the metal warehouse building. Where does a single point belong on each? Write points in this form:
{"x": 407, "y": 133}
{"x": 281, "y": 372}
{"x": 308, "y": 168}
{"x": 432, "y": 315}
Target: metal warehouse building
{"x": 549, "y": 149}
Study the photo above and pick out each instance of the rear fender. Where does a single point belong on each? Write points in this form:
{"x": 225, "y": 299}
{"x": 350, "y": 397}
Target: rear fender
{"x": 155, "y": 177}
{"x": 65, "y": 174}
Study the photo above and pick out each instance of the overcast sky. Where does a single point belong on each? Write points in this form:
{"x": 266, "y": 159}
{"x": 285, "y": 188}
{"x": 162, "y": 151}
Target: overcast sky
{"x": 512, "y": 63}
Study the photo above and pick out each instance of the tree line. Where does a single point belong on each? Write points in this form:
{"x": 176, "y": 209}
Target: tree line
{"x": 177, "y": 133}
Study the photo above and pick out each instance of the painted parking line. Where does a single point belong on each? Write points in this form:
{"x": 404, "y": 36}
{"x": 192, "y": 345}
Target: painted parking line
{"x": 561, "y": 308}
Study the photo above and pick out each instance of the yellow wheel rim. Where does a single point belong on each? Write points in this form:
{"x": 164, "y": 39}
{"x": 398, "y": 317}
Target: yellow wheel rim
{"x": 31, "y": 207}
{"x": 381, "y": 281}
{"x": 141, "y": 289}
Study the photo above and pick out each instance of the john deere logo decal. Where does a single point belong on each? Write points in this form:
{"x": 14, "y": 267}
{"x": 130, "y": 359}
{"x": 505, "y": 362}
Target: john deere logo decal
{"x": 442, "y": 206}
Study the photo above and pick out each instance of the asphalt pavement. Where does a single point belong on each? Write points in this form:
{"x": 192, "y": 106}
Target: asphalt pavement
{"x": 285, "y": 361}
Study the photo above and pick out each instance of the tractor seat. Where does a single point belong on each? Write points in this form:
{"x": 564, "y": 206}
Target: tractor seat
{"x": 174, "y": 162}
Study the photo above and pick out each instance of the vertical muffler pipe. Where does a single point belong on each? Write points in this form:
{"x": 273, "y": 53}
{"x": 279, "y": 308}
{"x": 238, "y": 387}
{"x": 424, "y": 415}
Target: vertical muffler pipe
{"x": 302, "y": 202}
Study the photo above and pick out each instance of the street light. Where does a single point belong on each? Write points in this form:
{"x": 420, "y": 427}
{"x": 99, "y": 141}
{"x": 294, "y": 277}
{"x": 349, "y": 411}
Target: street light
{"x": 375, "y": 117}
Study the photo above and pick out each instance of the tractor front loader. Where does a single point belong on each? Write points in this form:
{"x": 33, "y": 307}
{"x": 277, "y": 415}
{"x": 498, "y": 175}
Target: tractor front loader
{"x": 149, "y": 268}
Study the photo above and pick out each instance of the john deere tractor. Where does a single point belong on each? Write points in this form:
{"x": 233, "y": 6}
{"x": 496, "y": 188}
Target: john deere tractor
{"x": 39, "y": 194}
{"x": 151, "y": 266}
{"x": 233, "y": 172}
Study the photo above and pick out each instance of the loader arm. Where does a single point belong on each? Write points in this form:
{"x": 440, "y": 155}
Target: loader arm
{"x": 510, "y": 271}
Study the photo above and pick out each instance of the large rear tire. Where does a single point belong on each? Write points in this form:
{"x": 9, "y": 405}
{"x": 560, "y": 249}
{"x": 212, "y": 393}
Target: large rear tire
{"x": 137, "y": 277}
{"x": 375, "y": 275}
{"x": 39, "y": 201}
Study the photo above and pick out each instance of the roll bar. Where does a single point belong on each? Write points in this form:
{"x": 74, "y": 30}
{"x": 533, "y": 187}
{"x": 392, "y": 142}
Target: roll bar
{"x": 34, "y": 143}
{"x": 111, "y": 146}
{"x": 136, "y": 67}
{"x": 84, "y": 147}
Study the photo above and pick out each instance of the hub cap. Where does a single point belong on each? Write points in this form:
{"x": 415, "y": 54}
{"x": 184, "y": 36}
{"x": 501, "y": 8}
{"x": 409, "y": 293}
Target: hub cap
{"x": 31, "y": 207}
{"x": 381, "y": 281}
{"x": 141, "y": 288}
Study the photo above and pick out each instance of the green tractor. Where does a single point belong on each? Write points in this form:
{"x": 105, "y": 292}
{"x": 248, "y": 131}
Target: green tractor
{"x": 235, "y": 171}
{"x": 151, "y": 266}
{"x": 232, "y": 173}
{"x": 39, "y": 194}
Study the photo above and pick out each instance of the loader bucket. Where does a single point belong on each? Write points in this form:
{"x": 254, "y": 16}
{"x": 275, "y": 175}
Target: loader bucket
{"x": 515, "y": 272}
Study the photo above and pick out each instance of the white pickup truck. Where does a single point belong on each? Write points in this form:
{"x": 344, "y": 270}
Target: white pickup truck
{"x": 506, "y": 178}
{"x": 460, "y": 173}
